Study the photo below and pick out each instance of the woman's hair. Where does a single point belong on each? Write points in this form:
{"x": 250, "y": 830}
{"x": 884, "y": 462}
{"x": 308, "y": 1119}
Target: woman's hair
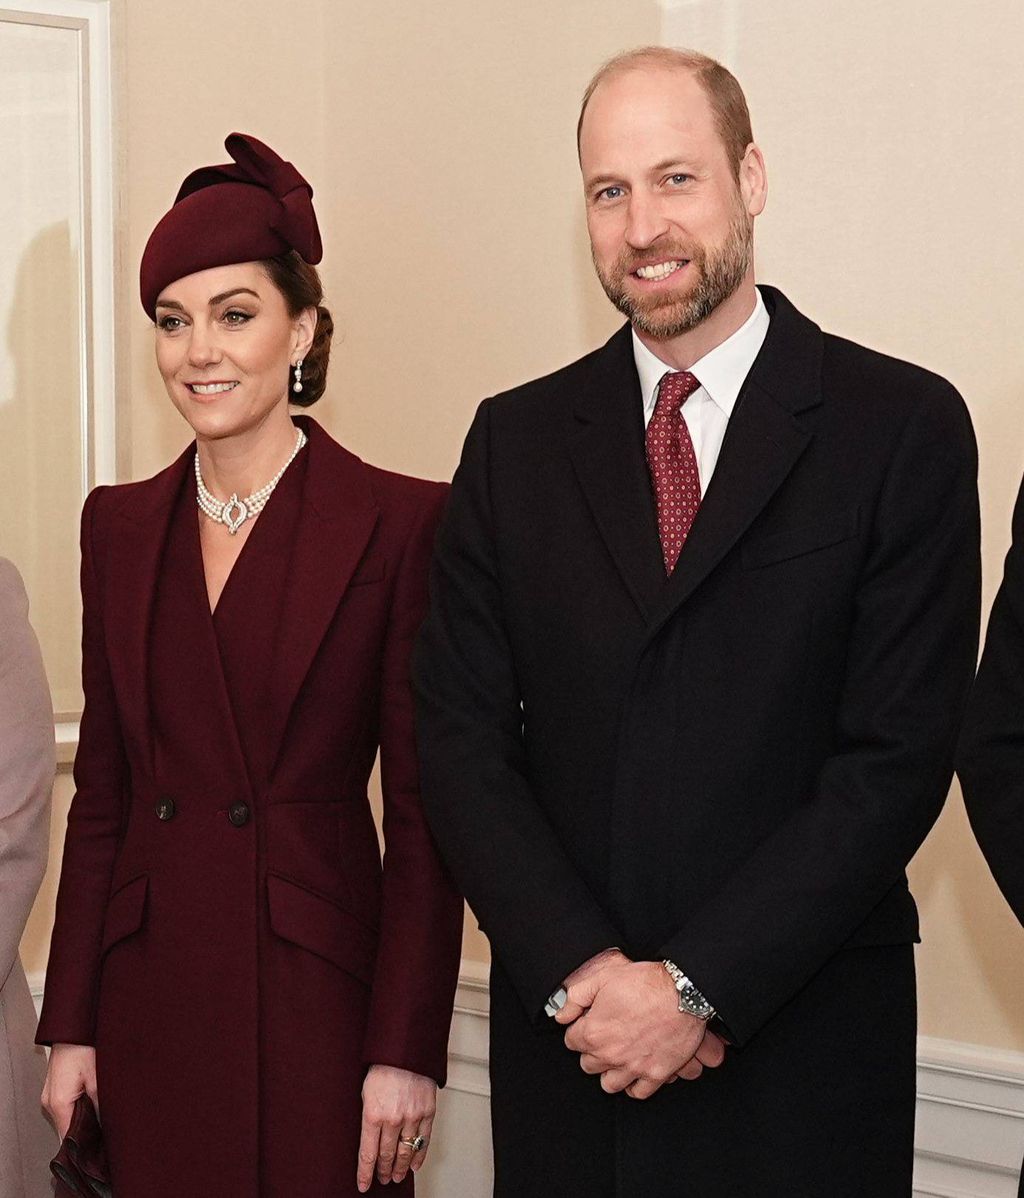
{"x": 300, "y": 285}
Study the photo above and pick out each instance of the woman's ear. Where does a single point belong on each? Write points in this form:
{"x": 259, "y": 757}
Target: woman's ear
{"x": 305, "y": 329}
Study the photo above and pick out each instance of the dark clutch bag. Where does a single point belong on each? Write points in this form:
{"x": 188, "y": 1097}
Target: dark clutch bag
{"x": 80, "y": 1166}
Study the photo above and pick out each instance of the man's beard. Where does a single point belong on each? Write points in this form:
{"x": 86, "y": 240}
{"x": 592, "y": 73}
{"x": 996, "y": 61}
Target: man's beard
{"x": 670, "y": 314}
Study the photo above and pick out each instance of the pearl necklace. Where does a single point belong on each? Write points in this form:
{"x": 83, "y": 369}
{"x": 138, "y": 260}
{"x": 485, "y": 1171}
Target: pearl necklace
{"x": 236, "y": 511}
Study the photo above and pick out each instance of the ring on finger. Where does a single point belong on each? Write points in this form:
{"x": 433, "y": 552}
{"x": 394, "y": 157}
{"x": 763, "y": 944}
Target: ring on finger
{"x": 416, "y": 1143}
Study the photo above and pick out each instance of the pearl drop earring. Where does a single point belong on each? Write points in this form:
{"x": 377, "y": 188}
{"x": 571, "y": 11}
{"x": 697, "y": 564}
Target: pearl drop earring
{"x": 297, "y": 385}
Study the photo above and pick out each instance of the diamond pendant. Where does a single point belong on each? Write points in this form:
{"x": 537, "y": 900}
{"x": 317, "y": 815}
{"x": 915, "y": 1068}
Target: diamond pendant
{"x": 234, "y": 523}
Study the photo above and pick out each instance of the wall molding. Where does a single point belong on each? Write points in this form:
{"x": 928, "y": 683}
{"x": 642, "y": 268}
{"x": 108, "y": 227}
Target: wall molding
{"x": 89, "y": 20}
{"x": 970, "y": 1120}
{"x": 970, "y": 1109}
{"x": 468, "y": 1045}
{"x": 66, "y": 735}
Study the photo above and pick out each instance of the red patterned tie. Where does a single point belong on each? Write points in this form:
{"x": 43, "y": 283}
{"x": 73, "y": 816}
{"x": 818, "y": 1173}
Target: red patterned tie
{"x": 673, "y": 465}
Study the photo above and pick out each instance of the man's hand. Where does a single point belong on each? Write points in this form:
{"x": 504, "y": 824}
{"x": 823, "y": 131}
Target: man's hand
{"x": 587, "y": 972}
{"x": 633, "y": 1033}
{"x": 709, "y": 1056}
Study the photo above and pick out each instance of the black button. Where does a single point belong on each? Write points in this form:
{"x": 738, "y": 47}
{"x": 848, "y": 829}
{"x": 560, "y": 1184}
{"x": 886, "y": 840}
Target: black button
{"x": 238, "y": 813}
{"x": 165, "y": 809}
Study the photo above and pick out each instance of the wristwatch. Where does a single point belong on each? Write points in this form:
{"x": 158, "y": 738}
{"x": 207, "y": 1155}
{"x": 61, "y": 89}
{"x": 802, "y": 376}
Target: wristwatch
{"x": 691, "y": 1001}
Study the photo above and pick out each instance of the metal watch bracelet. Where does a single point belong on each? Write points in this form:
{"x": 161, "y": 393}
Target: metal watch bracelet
{"x": 691, "y": 1001}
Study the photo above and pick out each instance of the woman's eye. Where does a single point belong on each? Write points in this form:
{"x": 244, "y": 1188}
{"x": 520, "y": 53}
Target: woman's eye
{"x": 169, "y": 324}
{"x": 234, "y": 316}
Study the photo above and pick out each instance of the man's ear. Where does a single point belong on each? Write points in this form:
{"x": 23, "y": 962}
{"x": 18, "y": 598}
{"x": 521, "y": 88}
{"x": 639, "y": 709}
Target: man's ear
{"x": 753, "y": 180}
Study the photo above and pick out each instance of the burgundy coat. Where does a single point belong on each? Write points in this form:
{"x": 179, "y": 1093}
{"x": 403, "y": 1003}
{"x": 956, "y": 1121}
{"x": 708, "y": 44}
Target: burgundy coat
{"x": 225, "y": 933}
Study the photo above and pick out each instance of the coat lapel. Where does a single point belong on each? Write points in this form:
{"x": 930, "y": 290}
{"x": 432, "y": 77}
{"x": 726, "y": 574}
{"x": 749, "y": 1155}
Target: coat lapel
{"x": 606, "y": 443}
{"x": 763, "y": 443}
{"x": 339, "y": 515}
{"x": 138, "y": 534}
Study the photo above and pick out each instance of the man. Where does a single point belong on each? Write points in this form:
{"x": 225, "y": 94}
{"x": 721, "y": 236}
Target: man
{"x": 990, "y": 761}
{"x": 704, "y": 617}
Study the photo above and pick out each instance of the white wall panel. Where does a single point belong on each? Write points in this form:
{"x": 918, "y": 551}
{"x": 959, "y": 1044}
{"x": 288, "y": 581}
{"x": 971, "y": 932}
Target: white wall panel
{"x": 56, "y": 306}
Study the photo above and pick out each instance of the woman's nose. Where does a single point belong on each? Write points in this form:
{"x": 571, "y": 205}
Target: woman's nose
{"x": 202, "y": 347}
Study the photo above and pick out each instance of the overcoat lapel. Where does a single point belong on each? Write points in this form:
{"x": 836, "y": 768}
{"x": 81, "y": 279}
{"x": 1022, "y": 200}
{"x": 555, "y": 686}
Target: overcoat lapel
{"x": 606, "y": 443}
{"x": 339, "y": 513}
{"x": 138, "y": 534}
{"x": 763, "y": 443}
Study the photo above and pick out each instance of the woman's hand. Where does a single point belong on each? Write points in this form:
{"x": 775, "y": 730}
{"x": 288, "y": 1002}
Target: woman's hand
{"x": 71, "y": 1072}
{"x": 397, "y": 1105}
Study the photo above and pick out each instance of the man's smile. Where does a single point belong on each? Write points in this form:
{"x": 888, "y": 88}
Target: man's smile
{"x": 655, "y": 272}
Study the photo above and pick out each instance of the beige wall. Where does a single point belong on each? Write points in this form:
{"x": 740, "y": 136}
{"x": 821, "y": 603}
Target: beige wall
{"x": 894, "y": 219}
{"x": 41, "y": 332}
{"x": 440, "y": 147}
{"x": 440, "y": 144}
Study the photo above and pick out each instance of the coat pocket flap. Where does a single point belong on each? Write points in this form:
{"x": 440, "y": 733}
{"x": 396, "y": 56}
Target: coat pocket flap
{"x": 893, "y": 921}
{"x": 125, "y": 910}
{"x": 795, "y": 542}
{"x": 320, "y": 926}
{"x": 370, "y": 569}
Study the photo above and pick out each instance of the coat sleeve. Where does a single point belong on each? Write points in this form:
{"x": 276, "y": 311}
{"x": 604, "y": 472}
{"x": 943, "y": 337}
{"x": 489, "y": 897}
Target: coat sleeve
{"x": 93, "y": 831}
{"x": 421, "y": 912}
{"x": 542, "y": 919}
{"x": 802, "y": 894}
{"x": 991, "y": 754}
{"x": 27, "y": 765}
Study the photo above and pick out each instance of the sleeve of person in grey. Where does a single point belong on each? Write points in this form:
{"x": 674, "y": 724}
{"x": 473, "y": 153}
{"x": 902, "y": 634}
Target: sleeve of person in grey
{"x": 27, "y": 763}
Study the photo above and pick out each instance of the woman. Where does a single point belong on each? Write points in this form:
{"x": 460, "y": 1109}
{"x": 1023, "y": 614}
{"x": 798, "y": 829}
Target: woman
{"x": 230, "y": 965}
{"x": 26, "y": 775}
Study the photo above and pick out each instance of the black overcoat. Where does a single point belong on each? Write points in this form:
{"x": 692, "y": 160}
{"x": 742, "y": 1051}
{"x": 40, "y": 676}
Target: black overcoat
{"x": 730, "y": 768}
{"x": 991, "y": 758}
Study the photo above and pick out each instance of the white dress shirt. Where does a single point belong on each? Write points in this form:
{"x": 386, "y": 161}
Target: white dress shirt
{"x": 721, "y": 374}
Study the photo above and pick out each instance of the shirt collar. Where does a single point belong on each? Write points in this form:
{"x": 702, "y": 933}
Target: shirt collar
{"x": 722, "y": 371}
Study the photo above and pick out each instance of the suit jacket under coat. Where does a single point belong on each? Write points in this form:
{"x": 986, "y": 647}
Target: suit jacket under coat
{"x": 730, "y": 768}
{"x": 991, "y": 757}
{"x": 238, "y": 978}
{"x": 27, "y": 761}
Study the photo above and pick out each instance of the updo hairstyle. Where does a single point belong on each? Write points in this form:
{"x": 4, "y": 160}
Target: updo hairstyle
{"x": 300, "y": 285}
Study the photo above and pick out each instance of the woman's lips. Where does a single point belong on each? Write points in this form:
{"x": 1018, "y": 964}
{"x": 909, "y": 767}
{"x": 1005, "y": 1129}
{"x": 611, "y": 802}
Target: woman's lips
{"x": 211, "y": 388}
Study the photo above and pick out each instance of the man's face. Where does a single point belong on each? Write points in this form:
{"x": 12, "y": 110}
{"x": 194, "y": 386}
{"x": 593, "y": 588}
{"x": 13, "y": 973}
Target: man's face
{"x": 670, "y": 227}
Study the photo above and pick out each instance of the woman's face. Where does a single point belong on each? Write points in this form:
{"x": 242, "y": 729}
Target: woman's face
{"x": 224, "y": 345}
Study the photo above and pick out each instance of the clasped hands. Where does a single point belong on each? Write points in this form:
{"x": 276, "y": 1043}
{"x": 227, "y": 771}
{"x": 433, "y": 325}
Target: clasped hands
{"x": 622, "y": 1017}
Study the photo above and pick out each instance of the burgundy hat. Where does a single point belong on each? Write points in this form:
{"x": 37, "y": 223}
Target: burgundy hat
{"x": 256, "y": 207}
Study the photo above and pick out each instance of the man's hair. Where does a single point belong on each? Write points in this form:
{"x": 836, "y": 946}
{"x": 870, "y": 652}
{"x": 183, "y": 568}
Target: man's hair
{"x": 728, "y": 104}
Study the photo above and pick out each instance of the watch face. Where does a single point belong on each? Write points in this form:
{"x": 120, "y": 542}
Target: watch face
{"x": 696, "y": 1003}
{"x": 690, "y": 998}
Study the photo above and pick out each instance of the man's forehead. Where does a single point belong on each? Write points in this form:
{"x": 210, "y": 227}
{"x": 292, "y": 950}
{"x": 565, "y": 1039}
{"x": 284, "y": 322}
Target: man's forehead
{"x": 645, "y": 93}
